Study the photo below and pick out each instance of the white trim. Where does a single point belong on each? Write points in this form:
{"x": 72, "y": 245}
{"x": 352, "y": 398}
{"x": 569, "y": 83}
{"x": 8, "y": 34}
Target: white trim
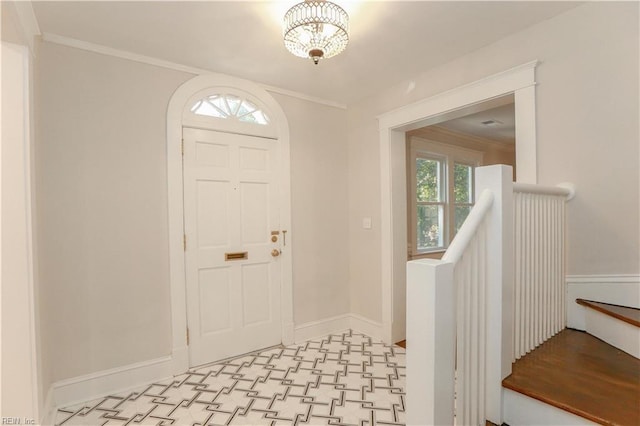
{"x": 18, "y": 214}
{"x": 122, "y": 54}
{"x": 28, "y": 23}
{"x": 175, "y": 189}
{"x": 49, "y": 410}
{"x": 365, "y": 326}
{"x": 519, "y": 81}
{"x": 622, "y": 289}
{"x": 113, "y": 381}
{"x": 337, "y": 324}
{"x": 490, "y": 87}
{"x": 609, "y": 279}
{"x": 525, "y": 118}
{"x": 520, "y": 409}
{"x": 149, "y": 60}
{"x": 315, "y": 329}
{"x": 122, "y": 379}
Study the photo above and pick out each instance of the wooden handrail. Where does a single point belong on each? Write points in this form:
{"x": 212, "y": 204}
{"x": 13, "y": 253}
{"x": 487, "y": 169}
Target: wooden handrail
{"x": 623, "y": 313}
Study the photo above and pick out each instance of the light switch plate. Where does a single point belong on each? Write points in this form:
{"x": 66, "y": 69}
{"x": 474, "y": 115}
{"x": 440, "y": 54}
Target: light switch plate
{"x": 366, "y": 222}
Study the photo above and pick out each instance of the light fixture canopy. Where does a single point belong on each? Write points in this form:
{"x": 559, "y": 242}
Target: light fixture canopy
{"x": 316, "y": 29}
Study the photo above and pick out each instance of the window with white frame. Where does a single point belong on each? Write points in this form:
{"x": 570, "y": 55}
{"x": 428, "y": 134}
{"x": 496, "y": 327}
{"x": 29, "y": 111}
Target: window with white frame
{"x": 441, "y": 193}
{"x": 228, "y": 106}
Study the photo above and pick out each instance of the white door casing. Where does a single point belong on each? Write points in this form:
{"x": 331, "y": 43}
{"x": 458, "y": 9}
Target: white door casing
{"x": 232, "y": 276}
{"x": 392, "y": 126}
{"x": 178, "y": 115}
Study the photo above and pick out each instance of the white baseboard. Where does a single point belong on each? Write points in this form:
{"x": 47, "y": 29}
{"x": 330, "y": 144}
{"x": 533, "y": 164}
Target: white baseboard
{"x": 364, "y": 325}
{"x": 337, "y": 324}
{"x": 616, "y": 289}
{"x": 48, "y": 413}
{"x": 520, "y": 409}
{"x": 180, "y": 360}
{"x": 288, "y": 336}
{"x": 313, "y": 329}
{"x": 116, "y": 380}
{"x": 122, "y": 379}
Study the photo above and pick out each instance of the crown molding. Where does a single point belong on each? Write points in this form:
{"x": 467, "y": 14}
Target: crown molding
{"x": 438, "y": 130}
{"x": 149, "y": 60}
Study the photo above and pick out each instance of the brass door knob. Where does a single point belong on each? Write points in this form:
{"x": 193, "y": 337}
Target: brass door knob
{"x": 275, "y": 252}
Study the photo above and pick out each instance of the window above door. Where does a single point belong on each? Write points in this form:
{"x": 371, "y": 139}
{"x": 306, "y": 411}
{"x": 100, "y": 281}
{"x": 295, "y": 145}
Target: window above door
{"x": 230, "y": 107}
{"x": 228, "y": 110}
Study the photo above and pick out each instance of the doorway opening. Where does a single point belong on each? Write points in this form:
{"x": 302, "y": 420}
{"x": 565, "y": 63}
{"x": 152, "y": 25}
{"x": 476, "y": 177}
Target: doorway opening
{"x": 441, "y": 162}
{"x": 491, "y": 92}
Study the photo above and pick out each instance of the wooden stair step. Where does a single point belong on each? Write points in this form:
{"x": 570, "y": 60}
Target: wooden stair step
{"x": 623, "y": 313}
{"x": 581, "y": 374}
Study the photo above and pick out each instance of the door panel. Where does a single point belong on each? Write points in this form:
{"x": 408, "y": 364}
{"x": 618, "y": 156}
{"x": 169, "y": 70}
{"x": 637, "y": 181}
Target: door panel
{"x": 231, "y": 208}
{"x": 254, "y": 212}
{"x": 213, "y": 224}
{"x": 214, "y": 285}
{"x": 255, "y": 286}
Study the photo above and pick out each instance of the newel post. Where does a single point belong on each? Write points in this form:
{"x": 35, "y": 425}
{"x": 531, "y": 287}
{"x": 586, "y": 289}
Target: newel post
{"x": 500, "y": 281}
{"x": 431, "y": 334}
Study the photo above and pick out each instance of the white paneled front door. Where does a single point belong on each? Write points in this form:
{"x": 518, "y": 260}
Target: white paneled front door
{"x": 233, "y": 271}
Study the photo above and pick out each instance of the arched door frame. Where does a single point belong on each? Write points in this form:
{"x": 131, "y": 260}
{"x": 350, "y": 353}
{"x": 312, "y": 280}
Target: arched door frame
{"x": 177, "y": 104}
{"x": 518, "y": 81}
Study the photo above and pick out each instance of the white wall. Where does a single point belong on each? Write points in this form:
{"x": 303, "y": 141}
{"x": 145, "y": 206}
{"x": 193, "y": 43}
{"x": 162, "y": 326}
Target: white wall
{"x": 101, "y": 175}
{"x": 102, "y": 209}
{"x": 319, "y": 195}
{"x": 364, "y": 201}
{"x": 587, "y": 129}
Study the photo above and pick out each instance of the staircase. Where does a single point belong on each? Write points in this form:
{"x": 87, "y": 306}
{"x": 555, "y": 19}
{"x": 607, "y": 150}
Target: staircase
{"x": 580, "y": 378}
{"x": 487, "y": 323}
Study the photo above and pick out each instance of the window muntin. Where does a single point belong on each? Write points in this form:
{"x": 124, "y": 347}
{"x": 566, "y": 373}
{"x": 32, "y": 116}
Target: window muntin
{"x": 430, "y": 203}
{"x": 463, "y": 185}
{"x": 441, "y": 193}
{"x": 228, "y": 106}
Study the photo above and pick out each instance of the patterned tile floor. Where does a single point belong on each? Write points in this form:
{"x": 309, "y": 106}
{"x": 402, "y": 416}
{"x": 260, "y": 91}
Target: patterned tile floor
{"x": 342, "y": 379}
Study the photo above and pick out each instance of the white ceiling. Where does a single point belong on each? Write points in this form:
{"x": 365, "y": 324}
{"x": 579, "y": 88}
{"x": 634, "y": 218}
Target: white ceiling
{"x": 503, "y": 131}
{"x": 390, "y": 41}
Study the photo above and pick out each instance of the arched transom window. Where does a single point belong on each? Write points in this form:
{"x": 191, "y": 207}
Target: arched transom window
{"x": 230, "y": 107}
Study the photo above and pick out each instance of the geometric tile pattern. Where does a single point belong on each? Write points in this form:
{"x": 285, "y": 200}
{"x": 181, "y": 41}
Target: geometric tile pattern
{"x": 343, "y": 379}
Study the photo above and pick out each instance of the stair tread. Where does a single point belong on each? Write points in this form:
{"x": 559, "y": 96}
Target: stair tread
{"x": 623, "y": 313}
{"x": 580, "y": 373}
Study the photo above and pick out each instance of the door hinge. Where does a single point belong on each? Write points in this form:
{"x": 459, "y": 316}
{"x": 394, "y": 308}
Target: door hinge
{"x": 184, "y": 241}
{"x": 187, "y": 337}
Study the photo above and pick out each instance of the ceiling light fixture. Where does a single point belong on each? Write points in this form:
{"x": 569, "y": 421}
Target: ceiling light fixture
{"x": 316, "y": 29}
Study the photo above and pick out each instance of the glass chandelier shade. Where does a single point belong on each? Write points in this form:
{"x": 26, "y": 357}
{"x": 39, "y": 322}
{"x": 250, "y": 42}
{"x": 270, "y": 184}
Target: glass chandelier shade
{"x": 316, "y": 29}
